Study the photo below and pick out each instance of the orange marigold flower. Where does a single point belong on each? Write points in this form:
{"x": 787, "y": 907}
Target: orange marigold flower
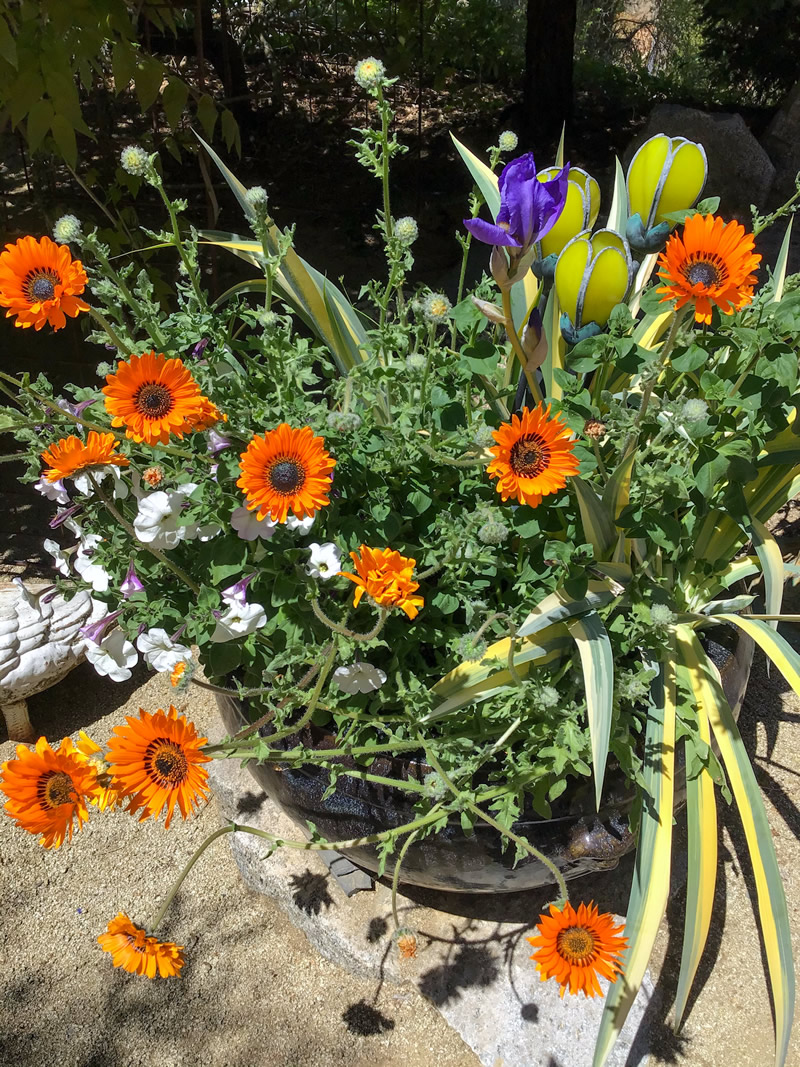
{"x": 710, "y": 264}
{"x": 533, "y": 456}
{"x": 71, "y": 455}
{"x": 154, "y": 397}
{"x": 40, "y": 282}
{"x": 132, "y": 949}
{"x": 48, "y": 789}
{"x": 574, "y": 947}
{"x": 106, "y": 796}
{"x": 386, "y": 576}
{"x": 285, "y": 470}
{"x": 156, "y": 762}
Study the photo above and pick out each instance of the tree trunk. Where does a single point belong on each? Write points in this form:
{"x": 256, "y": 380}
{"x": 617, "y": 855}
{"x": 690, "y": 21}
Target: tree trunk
{"x": 549, "y": 55}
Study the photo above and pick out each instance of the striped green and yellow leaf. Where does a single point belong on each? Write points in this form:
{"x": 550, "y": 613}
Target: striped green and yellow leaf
{"x": 597, "y": 663}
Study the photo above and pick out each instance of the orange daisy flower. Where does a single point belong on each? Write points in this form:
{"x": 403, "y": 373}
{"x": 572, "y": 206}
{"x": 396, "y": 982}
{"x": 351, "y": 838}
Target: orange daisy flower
{"x": 533, "y": 456}
{"x": 209, "y": 415}
{"x": 575, "y": 946}
{"x": 156, "y": 762}
{"x": 40, "y": 282}
{"x": 386, "y": 576}
{"x": 286, "y": 470}
{"x": 132, "y": 949}
{"x": 48, "y": 789}
{"x": 70, "y": 455}
{"x": 711, "y": 264}
{"x": 153, "y": 397}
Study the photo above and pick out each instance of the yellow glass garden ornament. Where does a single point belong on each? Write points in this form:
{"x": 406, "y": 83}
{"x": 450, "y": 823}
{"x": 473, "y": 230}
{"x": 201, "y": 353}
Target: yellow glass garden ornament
{"x": 667, "y": 174}
{"x": 593, "y": 275}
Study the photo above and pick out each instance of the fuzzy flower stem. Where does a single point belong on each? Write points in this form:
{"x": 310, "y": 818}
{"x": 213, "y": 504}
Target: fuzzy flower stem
{"x": 464, "y": 461}
{"x": 337, "y": 627}
{"x": 110, "y": 507}
{"x": 104, "y": 324}
{"x": 224, "y": 750}
{"x": 485, "y": 625}
{"x": 516, "y": 345}
{"x": 178, "y": 240}
{"x": 523, "y": 844}
{"x": 384, "y": 109}
{"x": 601, "y": 466}
{"x": 451, "y": 555}
{"x": 396, "y": 876}
{"x": 666, "y": 351}
{"x": 512, "y": 670}
{"x": 162, "y": 911}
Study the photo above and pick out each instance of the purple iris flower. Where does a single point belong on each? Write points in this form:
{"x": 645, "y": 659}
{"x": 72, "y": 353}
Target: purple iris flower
{"x": 95, "y": 631}
{"x": 528, "y": 208}
{"x": 237, "y": 594}
{"x": 131, "y": 584}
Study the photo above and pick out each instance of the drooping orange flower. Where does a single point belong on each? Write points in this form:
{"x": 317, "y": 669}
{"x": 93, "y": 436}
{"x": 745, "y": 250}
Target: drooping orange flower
{"x": 178, "y": 671}
{"x": 574, "y": 947}
{"x": 71, "y": 455}
{"x": 40, "y": 282}
{"x": 154, "y": 397}
{"x": 48, "y": 789}
{"x": 386, "y": 576}
{"x": 106, "y": 796}
{"x": 406, "y": 944}
{"x": 533, "y": 456}
{"x": 209, "y": 415}
{"x": 132, "y": 949}
{"x": 156, "y": 762}
{"x": 286, "y": 470}
{"x": 711, "y": 264}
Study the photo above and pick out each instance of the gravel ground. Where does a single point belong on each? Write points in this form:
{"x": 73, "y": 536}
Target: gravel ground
{"x": 254, "y": 993}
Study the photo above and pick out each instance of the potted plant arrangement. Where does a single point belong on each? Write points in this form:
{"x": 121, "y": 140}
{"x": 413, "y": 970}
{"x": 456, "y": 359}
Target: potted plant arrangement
{"x": 466, "y": 569}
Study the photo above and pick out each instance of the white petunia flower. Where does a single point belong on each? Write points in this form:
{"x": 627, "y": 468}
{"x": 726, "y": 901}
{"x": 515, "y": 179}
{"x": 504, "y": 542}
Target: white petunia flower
{"x": 359, "y": 678}
{"x": 249, "y": 527}
{"x": 60, "y": 558}
{"x": 52, "y": 490}
{"x": 158, "y": 521}
{"x": 92, "y": 573}
{"x": 194, "y": 532}
{"x": 325, "y": 562}
{"x": 85, "y": 487}
{"x": 300, "y": 525}
{"x": 160, "y": 652}
{"x": 239, "y": 620}
{"x": 113, "y": 657}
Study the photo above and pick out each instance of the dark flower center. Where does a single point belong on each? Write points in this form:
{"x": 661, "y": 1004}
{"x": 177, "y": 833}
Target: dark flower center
{"x": 709, "y": 271}
{"x": 153, "y": 400}
{"x": 530, "y": 456}
{"x": 56, "y": 788}
{"x": 40, "y": 285}
{"x": 166, "y": 763}
{"x": 286, "y": 476}
{"x": 575, "y": 944}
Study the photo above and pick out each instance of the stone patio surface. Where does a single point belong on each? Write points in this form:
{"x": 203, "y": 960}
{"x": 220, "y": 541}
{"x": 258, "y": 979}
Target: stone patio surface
{"x": 257, "y": 993}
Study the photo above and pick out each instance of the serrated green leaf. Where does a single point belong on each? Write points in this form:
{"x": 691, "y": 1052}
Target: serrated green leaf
{"x": 207, "y": 114}
{"x": 148, "y": 77}
{"x": 174, "y": 100}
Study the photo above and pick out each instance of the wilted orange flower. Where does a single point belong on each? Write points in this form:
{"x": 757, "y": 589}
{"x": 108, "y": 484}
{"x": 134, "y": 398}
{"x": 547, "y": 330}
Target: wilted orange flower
{"x": 406, "y": 944}
{"x": 132, "y": 949}
{"x": 154, "y": 476}
{"x": 533, "y": 456}
{"x": 71, "y": 455}
{"x": 40, "y": 282}
{"x": 153, "y": 397}
{"x": 209, "y": 415}
{"x": 177, "y": 673}
{"x": 156, "y": 762}
{"x": 106, "y": 796}
{"x": 711, "y": 264}
{"x": 286, "y": 470}
{"x": 47, "y": 790}
{"x": 386, "y": 576}
{"x": 575, "y": 946}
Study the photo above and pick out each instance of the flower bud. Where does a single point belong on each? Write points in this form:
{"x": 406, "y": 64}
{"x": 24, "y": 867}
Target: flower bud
{"x": 134, "y": 160}
{"x": 507, "y": 141}
{"x": 406, "y": 230}
{"x": 369, "y": 73}
{"x": 491, "y": 311}
{"x": 67, "y": 229}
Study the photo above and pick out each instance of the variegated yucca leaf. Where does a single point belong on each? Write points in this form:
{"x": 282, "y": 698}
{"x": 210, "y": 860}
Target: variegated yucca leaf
{"x": 774, "y": 646}
{"x": 597, "y": 663}
{"x": 701, "y": 878}
{"x": 560, "y": 606}
{"x": 779, "y": 273}
{"x": 598, "y": 525}
{"x": 772, "y": 911}
{"x": 769, "y": 555}
{"x": 618, "y": 213}
{"x": 556, "y": 346}
{"x": 650, "y": 887}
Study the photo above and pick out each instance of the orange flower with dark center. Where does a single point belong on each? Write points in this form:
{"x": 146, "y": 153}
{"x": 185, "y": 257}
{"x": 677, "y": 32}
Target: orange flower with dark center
{"x": 48, "y": 789}
{"x": 710, "y": 265}
{"x": 71, "y": 455}
{"x": 132, "y": 949}
{"x": 285, "y": 470}
{"x": 153, "y": 397}
{"x": 574, "y": 947}
{"x": 533, "y": 456}
{"x": 40, "y": 282}
{"x": 386, "y": 576}
{"x": 156, "y": 762}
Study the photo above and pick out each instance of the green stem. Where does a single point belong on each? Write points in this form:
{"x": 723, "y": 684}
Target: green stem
{"x": 153, "y": 926}
{"x": 159, "y": 555}
{"x": 104, "y": 324}
{"x": 337, "y": 627}
{"x": 295, "y": 728}
{"x": 305, "y": 755}
{"x": 396, "y": 875}
{"x": 176, "y": 233}
{"x": 516, "y": 345}
{"x": 387, "y": 214}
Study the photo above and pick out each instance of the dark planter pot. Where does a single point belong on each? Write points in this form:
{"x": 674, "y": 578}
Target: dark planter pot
{"x": 579, "y": 840}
